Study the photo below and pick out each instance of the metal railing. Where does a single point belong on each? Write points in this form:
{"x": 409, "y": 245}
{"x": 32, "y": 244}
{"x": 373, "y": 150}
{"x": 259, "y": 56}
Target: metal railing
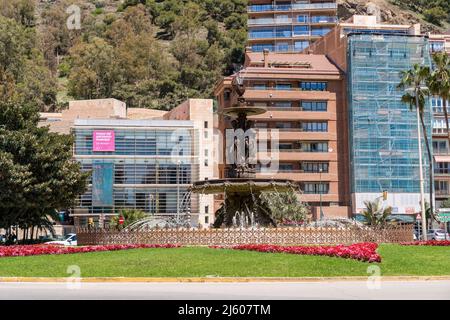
{"x": 269, "y": 21}
{"x": 291, "y": 7}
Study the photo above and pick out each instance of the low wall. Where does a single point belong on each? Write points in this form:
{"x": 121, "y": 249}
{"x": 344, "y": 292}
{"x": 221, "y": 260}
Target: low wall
{"x": 280, "y": 236}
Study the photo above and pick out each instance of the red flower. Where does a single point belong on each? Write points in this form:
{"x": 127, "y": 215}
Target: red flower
{"x": 33, "y": 250}
{"x": 360, "y": 251}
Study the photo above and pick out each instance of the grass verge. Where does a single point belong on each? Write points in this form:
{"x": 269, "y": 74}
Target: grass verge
{"x": 200, "y": 262}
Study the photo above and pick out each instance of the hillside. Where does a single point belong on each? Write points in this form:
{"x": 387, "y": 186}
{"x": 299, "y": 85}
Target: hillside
{"x": 149, "y": 53}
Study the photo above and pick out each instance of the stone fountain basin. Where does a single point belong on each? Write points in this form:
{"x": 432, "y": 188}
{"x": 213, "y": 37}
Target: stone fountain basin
{"x": 243, "y": 185}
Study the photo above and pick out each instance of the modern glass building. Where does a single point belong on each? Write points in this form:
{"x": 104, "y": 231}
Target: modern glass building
{"x": 383, "y": 131}
{"x": 136, "y": 164}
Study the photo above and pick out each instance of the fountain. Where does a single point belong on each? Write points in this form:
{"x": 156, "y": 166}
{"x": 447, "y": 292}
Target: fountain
{"x": 243, "y": 206}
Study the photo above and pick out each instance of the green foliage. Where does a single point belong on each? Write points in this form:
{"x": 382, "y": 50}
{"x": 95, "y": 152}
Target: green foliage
{"x": 24, "y": 75}
{"x": 434, "y": 11}
{"x": 150, "y": 53}
{"x": 435, "y": 15}
{"x": 129, "y": 215}
{"x": 286, "y": 207}
{"x": 375, "y": 214}
{"x": 445, "y": 203}
{"x": 37, "y": 173}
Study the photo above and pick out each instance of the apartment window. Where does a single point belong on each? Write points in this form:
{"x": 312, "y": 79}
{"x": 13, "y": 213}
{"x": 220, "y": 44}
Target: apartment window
{"x": 316, "y": 188}
{"x": 283, "y": 86}
{"x": 441, "y": 187}
{"x": 206, "y": 152}
{"x": 283, "y": 32}
{"x": 282, "y": 47}
{"x": 315, "y": 167}
{"x": 442, "y": 168}
{"x": 301, "y": 31}
{"x": 206, "y": 209}
{"x": 206, "y": 124}
{"x": 286, "y": 167}
{"x": 259, "y": 86}
{"x": 436, "y": 104}
{"x": 301, "y": 18}
{"x": 313, "y": 86}
{"x": 283, "y": 104}
{"x": 314, "y": 105}
{"x": 285, "y": 146}
{"x": 440, "y": 147}
{"x": 320, "y": 31}
{"x": 262, "y": 47}
{"x": 206, "y": 162}
{"x": 437, "y": 46}
{"x": 226, "y": 95}
{"x": 315, "y": 126}
{"x": 323, "y": 19}
{"x": 261, "y": 33}
{"x": 206, "y": 219}
{"x": 205, "y": 134}
{"x": 301, "y": 45}
{"x": 283, "y": 125}
{"x": 314, "y": 146}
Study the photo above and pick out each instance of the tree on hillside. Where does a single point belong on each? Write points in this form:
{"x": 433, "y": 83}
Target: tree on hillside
{"x": 37, "y": 175}
{"x": 23, "y": 73}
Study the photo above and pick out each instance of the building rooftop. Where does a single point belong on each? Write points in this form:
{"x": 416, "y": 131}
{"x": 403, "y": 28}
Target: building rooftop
{"x": 132, "y": 123}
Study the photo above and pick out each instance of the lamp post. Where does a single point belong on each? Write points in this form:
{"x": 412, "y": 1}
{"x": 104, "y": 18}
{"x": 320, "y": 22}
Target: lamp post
{"x": 320, "y": 193}
{"x": 419, "y": 142}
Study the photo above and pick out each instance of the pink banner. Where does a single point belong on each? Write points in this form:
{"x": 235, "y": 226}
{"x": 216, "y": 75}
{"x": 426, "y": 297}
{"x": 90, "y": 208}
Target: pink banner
{"x": 103, "y": 140}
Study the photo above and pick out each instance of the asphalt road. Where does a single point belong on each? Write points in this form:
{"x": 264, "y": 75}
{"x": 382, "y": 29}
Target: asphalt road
{"x": 226, "y": 291}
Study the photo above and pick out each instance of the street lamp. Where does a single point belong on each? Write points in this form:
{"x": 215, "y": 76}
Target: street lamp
{"x": 320, "y": 193}
{"x": 415, "y": 90}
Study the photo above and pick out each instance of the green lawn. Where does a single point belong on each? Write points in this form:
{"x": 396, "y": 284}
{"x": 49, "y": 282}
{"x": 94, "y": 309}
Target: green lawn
{"x": 198, "y": 262}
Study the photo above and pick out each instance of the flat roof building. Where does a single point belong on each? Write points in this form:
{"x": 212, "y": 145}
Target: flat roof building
{"x": 140, "y": 159}
{"x": 304, "y": 97}
{"x": 288, "y": 25}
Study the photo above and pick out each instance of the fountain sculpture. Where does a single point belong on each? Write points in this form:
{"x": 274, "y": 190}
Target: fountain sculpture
{"x": 243, "y": 205}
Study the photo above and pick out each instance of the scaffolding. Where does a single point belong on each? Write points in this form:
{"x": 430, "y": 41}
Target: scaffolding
{"x": 383, "y": 131}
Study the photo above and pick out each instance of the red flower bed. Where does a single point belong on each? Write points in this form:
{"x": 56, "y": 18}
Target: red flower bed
{"x": 360, "y": 251}
{"x": 33, "y": 250}
{"x": 427, "y": 243}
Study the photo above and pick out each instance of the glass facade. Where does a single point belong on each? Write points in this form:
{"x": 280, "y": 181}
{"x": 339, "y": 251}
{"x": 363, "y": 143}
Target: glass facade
{"x": 151, "y": 168}
{"x": 383, "y": 130}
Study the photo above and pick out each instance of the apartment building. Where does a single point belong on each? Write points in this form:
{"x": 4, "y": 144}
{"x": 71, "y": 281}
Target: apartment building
{"x": 440, "y": 43}
{"x": 140, "y": 158}
{"x": 303, "y": 94}
{"x": 289, "y": 25}
{"x": 383, "y": 131}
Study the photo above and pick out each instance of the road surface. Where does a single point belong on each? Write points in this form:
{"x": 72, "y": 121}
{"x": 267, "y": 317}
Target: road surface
{"x": 439, "y": 289}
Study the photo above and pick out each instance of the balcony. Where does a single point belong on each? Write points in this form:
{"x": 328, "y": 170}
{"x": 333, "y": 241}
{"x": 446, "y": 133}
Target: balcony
{"x": 279, "y": 21}
{"x": 292, "y": 7}
{"x": 270, "y": 35}
{"x": 268, "y": 21}
{"x": 323, "y": 19}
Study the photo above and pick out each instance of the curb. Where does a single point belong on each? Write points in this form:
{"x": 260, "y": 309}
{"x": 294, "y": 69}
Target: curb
{"x": 218, "y": 279}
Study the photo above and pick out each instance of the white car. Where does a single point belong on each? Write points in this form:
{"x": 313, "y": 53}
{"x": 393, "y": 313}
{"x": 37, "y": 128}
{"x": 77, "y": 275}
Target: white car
{"x": 437, "y": 234}
{"x": 69, "y": 240}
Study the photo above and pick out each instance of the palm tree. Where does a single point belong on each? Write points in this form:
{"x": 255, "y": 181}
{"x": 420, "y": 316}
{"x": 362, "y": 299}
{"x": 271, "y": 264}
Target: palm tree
{"x": 439, "y": 82}
{"x": 415, "y": 79}
{"x": 375, "y": 214}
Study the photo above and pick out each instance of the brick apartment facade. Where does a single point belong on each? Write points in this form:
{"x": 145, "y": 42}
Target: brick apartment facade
{"x": 304, "y": 98}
